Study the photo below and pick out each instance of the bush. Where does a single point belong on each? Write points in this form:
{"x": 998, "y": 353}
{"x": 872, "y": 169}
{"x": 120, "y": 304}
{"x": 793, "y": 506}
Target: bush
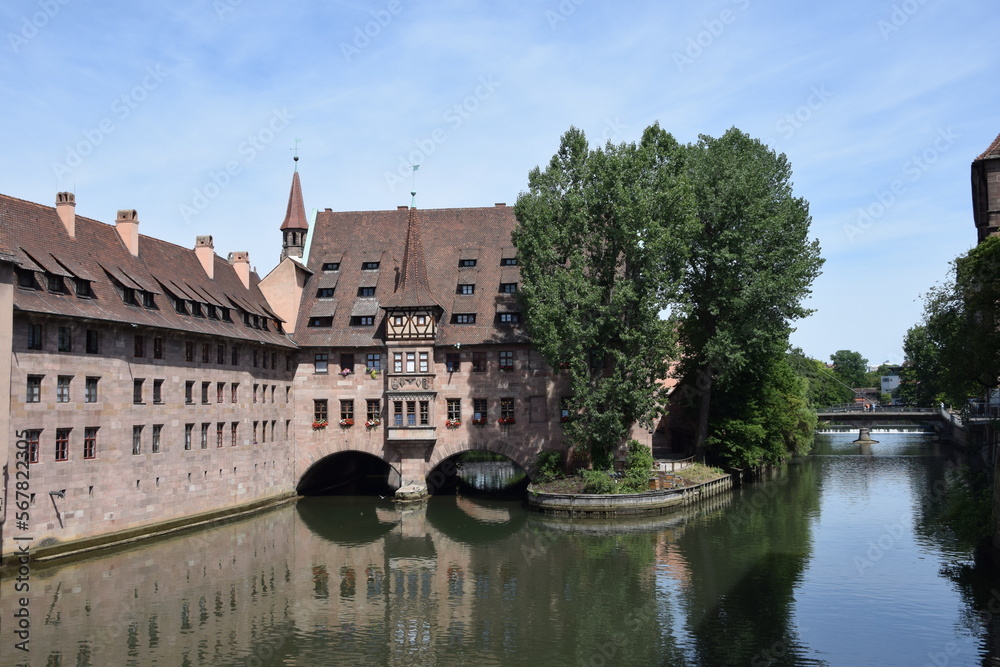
{"x": 548, "y": 466}
{"x": 638, "y": 466}
{"x": 598, "y": 481}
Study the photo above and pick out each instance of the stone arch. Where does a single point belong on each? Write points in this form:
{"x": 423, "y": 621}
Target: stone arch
{"x": 321, "y": 476}
{"x": 522, "y": 456}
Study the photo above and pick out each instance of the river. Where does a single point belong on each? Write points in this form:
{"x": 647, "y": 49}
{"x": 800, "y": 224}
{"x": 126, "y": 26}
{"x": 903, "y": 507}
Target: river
{"x": 839, "y": 560}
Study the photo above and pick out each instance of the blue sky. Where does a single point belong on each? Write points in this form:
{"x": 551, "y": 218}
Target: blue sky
{"x": 188, "y": 111}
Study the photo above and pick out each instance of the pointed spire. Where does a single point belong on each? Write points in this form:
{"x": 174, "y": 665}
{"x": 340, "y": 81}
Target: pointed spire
{"x": 414, "y": 289}
{"x": 295, "y": 216}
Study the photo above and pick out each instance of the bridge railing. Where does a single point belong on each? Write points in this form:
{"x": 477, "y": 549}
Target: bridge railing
{"x": 854, "y": 407}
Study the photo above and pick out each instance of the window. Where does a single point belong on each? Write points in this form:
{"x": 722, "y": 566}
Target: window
{"x": 321, "y": 321}
{"x": 204, "y": 435}
{"x": 506, "y": 360}
{"x": 62, "y": 444}
{"x": 347, "y": 411}
{"x": 411, "y": 362}
{"x": 463, "y": 318}
{"x": 425, "y": 413}
{"x": 363, "y": 321}
{"x": 148, "y": 300}
{"x": 455, "y": 409}
{"x": 157, "y": 347}
{"x": 204, "y": 353}
{"x": 136, "y": 440}
{"x": 33, "y": 392}
{"x": 263, "y": 432}
{"x": 189, "y": 392}
{"x": 204, "y": 392}
{"x": 90, "y": 390}
{"x": 82, "y": 288}
{"x": 188, "y": 351}
{"x": 508, "y": 288}
{"x": 65, "y": 339}
{"x": 479, "y": 414}
{"x": 188, "y": 432}
{"x": 397, "y": 362}
{"x": 509, "y": 318}
{"x": 331, "y": 266}
{"x": 56, "y": 283}
{"x": 26, "y": 279}
{"x": 466, "y": 262}
{"x": 90, "y": 442}
{"x": 218, "y": 434}
{"x": 466, "y": 288}
{"x": 369, "y": 266}
{"x": 139, "y": 345}
{"x": 479, "y": 362}
{"x": 397, "y": 320}
{"x": 196, "y": 309}
{"x": 234, "y": 390}
{"x": 373, "y": 361}
{"x": 320, "y": 411}
{"x": 137, "y": 390}
{"x": 324, "y": 293}
{"x": 422, "y": 360}
{"x": 180, "y": 306}
{"x": 255, "y": 357}
{"x": 373, "y": 410}
{"x": 507, "y": 409}
{"x": 233, "y": 433}
{"x": 158, "y": 391}
{"x": 220, "y": 391}
{"x": 35, "y": 336}
{"x": 397, "y": 413}
{"x": 157, "y": 429}
{"x": 452, "y": 362}
{"x": 347, "y": 362}
{"x": 93, "y": 341}
{"x": 62, "y": 388}
{"x": 220, "y": 354}
{"x": 253, "y": 437}
{"x": 32, "y": 437}
{"x": 508, "y": 261}
{"x": 366, "y": 291}
{"x": 235, "y": 354}
{"x": 255, "y": 392}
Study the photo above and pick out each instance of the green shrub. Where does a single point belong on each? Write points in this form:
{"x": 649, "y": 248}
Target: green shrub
{"x": 548, "y": 466}
{"x": 598, "y": 481}
{"x": 638, "y": 467}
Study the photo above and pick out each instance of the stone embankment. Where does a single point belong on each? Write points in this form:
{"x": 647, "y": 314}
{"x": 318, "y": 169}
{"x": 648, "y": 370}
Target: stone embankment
{"x": 630, "y": 504}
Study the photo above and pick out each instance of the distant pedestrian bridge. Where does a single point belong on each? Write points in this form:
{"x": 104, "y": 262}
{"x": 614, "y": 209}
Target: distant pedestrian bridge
{"x": 854, "y": 416}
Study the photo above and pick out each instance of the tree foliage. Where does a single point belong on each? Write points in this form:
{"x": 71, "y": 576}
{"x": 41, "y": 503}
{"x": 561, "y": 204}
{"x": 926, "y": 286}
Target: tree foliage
{"x": 823, "y": 387}
{"x": 750, "y": 265}
{"x": 601, "y": 242}
{"x": 850, "y": 367}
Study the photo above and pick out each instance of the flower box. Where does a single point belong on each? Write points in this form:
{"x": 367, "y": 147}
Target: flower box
{"x": 479, "y": 422}
{"x": 453, "y": 423}
{"x": 372, "y": 372}
{"x": 506, "y": 421}
{"x": 372, "y": 423}
{"x": 319, "y": 425}
{"x": 346, "y": 372}
{"x": 346, "y": 423}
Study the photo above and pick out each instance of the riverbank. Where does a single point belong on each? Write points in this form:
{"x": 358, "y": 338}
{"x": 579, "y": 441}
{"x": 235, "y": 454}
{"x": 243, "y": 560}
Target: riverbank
{"x": 626, "y": 504}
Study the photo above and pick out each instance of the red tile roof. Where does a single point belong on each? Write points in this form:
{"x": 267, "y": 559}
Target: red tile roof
{"x": 40, "y": 242}
{"x": 447, "y": 235}
{"x": 295, "y": 216}
{"x": 413, "y": 290}
{"x": 992, "y": 151}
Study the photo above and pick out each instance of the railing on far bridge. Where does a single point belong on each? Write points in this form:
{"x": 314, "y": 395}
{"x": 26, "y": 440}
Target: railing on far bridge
{"x": 891, "y": 409}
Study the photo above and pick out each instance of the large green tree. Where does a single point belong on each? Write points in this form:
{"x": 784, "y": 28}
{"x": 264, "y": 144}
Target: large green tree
{"x": 750, "y": 265}
{"x": 823, "y": 387}
{"x": 850, "y": 367}
{"x": 601, "y": 241}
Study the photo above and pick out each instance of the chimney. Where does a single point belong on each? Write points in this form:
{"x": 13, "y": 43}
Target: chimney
{"x": 241, "y": 264}
{"x": 66, "y": 208}
{"x": 205, "y": 251}
{"x": 127, "y": 224}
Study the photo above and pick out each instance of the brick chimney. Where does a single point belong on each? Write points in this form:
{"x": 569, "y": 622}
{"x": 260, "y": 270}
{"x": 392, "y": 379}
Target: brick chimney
{"x": 66, "y": 208}
{"x": 205, "y": 250}
{"x": 127, "y": 225}
{"x": 241, "y": 264}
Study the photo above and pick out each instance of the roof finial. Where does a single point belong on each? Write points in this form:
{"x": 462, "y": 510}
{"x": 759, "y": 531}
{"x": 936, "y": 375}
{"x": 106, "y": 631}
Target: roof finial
{"x": 296, "y": 149}
{"x": 413, "y": 186}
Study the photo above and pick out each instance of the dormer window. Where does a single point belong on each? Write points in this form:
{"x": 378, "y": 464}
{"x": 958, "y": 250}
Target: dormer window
{"x": 196, "y": 309}
{"x": 463, "y": 318}
{"x": 369, "y": 266}
{"x": 508, "y": 288}
{"x": 83, "y": 288}
{"x": 321, "y": 321}
{"x": 180, "y": 306}
{"x": 148, "y": 300}
{"x": 333, "y": 266}
{"x": 508, "y": 261}
{"x": 510, "y": 318}
{"x": 325, "y": 293}
{"x": 363, "y": 321}
{"x": 466, "y": 263}
{"x": 128, "y": 296}
{"x": 211, "y": 312}
{"x": 366, "y": 291}
{"x": 26, "y": 279}
{"x": 56, "y": 283}
{"x": 225, "y": 315}
{"x": 466, "y": 288}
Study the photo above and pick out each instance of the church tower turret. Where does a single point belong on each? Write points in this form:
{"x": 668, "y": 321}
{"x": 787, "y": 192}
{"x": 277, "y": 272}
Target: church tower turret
{"x": 296, "y": 226}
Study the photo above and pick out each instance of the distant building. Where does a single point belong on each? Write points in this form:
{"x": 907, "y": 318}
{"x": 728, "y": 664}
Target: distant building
{"x": 986, "y": 191}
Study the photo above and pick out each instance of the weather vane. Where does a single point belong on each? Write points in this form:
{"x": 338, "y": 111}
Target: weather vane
{"x": 296, "y": 149}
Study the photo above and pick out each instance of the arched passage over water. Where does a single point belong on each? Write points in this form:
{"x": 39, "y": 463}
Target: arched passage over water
{"x": 478, "y": 472}
{"x": 348, "y": 473}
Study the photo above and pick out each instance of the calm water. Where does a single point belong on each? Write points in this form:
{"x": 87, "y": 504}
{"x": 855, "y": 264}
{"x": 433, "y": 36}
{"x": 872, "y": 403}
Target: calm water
{"x": 839, "y": 561}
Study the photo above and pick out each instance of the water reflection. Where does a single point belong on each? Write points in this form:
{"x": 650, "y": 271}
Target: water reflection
{"x": 767, "y": 574}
